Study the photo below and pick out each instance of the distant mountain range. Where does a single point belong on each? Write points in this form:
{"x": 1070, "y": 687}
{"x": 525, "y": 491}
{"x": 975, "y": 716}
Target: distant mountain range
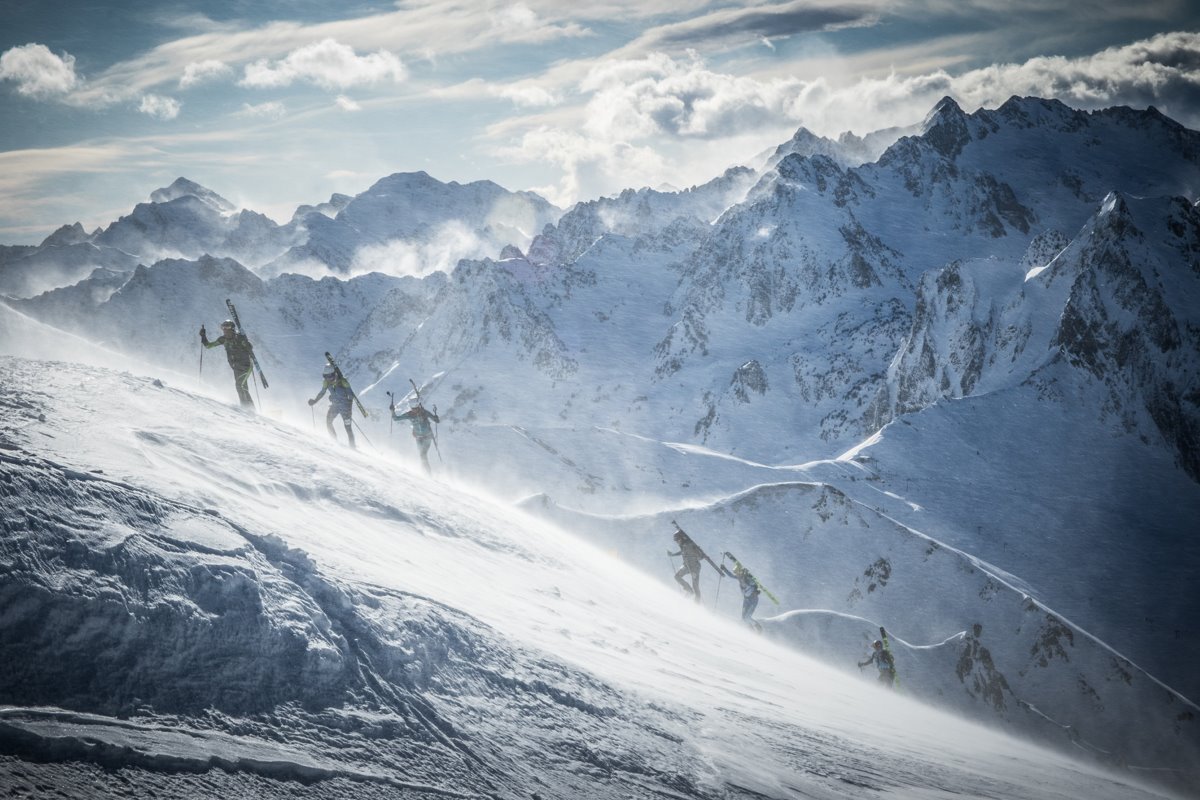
{"x": 980, "y": 338}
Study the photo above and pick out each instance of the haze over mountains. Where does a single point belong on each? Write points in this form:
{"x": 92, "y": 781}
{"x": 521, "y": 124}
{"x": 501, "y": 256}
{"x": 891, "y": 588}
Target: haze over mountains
{"x": 950, "y": 385}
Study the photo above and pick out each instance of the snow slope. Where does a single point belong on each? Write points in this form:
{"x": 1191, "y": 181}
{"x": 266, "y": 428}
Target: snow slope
{"x": 204, "y": 601}
{"x": 986, "y": 338}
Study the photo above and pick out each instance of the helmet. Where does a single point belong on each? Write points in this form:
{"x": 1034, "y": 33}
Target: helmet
{"x": 227, "y": 324}
{"x": 680, "y": 536}
{"x": 328, "y": 371}
{"x": 414, "y": 403}
{"x": 877, "y": 644}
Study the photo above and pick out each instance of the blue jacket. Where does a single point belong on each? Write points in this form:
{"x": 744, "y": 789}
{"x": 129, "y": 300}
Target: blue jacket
{"x": 340, "y": 394}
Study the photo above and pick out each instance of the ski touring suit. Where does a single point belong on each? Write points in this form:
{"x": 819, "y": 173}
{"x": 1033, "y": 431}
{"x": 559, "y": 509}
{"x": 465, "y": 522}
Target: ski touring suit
{"x": 692, "y": 554}
{"x": 238, "y": 352}
{"x": 748, "y": 585}
{"x": 341, "y": 404}
{"x": 884, "y": 661}
{"x": 422, "y": 431}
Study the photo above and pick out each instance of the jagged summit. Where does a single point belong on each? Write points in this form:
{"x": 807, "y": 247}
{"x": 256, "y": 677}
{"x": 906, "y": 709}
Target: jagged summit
{"x": 67, "y": 235}
{"x": 182, "y": 187}
{"x": 946, "y": 128}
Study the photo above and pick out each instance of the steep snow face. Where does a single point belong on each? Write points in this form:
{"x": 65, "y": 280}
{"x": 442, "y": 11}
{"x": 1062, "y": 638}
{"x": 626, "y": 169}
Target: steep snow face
{"x": 28, "y": 272}
{"x": 411, "y": 223}
{"x": 1121, "y": 302}
{"x": 192, "y": 224}
{"x": 818, "y": 248}
{"x": 1074, "y": 360}
{"x": 653, "y": 218}
{"x": 237, "y": 594}
{"x": 980, "y": 643}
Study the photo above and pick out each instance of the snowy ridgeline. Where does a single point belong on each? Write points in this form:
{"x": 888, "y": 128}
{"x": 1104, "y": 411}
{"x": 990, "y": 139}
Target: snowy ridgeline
{"x": 203, "y": 602}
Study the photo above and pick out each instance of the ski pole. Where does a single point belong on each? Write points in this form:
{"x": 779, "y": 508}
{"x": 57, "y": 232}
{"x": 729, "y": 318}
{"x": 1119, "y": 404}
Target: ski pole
{"x": 391, "y": 412}
{"x": 256, "y": 396}
{"x": 314, "y": 417}
{"x": 364, "y": 435}
{"x": 435, "y": 442}
{"x": 720, "y": 577}
{"x": 202, "y": 363}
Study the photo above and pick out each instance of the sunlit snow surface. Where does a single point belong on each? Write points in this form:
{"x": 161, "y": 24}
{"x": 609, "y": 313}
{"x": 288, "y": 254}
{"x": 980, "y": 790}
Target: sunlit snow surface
{"x": 192, "y": 591}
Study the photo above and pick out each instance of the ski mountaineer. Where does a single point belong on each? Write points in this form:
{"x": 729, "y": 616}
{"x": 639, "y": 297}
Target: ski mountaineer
{"x": 238, "y": 352}
{"x": 422, "y": 431}
{"x": 884, "y": 661}
{"x": 341, "y": 399}
{"x": 749, "y": 587}
{"x": 692, "y": 554}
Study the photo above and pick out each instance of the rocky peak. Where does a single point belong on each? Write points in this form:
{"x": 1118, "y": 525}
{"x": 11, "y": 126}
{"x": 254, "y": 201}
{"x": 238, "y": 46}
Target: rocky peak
{"x": 946, "y": 129}
{"x": 182, "y": 187}
{"x": 806, "y": 143}
{"x": 66, "y": 235}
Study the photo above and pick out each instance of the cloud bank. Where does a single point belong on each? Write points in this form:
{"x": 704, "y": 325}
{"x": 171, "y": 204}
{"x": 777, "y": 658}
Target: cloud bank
{"x": 639, "y": 110}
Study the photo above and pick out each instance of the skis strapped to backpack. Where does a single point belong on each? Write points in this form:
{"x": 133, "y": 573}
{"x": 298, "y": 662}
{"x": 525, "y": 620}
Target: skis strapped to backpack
{"x": 238, "y": 326}
{"x": 337, "y": 371}
{"x": 422, "y": 405}
{"x": 887, "y": 648}
{"x": 757, "y": 582}
{"x": 703, "y": 554}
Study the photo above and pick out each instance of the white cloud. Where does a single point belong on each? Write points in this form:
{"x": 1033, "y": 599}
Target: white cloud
{"x": 38, "y": 72}
{"x": 660, "y": 118}
{"x": 1163, "y": 71}
{"x": 269, "y": 110}
{"x": 448, "y": 244}
{"x": 661, "y": 95}
{"x": 347, "y": 103}
{"x": 587, "y": 161}
{"x": 328, "y": 64}
{"x": 526, "y": 95}
{"x": 682, "y": 98}
{"x": 158, "y": 106}
{"x": 523, "y": 94}
{"x": 520, "y": 23}
{"x": 199, "y": 72}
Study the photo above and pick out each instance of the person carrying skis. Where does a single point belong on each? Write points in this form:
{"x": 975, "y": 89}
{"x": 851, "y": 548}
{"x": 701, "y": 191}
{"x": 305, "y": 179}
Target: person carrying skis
{"x": 238, "y": 352}
{"x": 748, "y": 584}
{"x": 422, "y": 431}
{"x": 341, "y": 398}
{"x": 885, "y": 662}
{"x": 692, "y": 554}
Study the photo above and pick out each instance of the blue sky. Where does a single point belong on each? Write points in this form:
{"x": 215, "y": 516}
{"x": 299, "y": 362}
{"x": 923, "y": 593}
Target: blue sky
{"x": 274, "y": 104}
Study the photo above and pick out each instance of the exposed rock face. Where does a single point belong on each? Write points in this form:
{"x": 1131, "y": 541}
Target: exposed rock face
{"x": 1114, "y": 302}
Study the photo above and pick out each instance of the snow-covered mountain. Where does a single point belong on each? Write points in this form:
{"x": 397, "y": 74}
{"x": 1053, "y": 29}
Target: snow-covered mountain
{"x": 411, "y": 223}
{"x": 982, "y": 342}
{"x": 197, "y": 602}
{"x": 408, "y": 223}
{"x": 64, "y": 258}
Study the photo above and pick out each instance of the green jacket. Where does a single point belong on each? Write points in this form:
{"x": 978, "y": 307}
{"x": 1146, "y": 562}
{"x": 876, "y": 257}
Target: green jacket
{"x": 238, "y": 349}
